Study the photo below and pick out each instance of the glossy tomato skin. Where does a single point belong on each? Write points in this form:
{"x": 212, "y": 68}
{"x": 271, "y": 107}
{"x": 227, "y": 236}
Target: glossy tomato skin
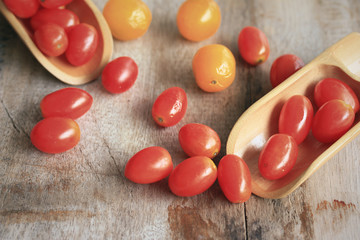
{"x": 22, "y": 8}
{"x": 199, "y": 140}
{"x": 234, "y": 178}
{"x": 332, "y": 88}
{"x": 62, "y": 17}
{"x": 283, "y": 67}
{"x": 119, "y": 75}
{"x": 192, "y": 176}
{"x": 253, "y": 45}
{"x": 198, "y": 20}
{"x": 83, "y": 41}
{"x": 214, "y": 68}
{"x": 54, "y": 3}
{"x": 278, "y": 156}
{"x": 296, "y": 117}
{"x": 149, "y": 165}
{"x": 119, "y": 15}
{"x": 170, "y": 107}
{"x": 55, "y": 134}
{"x": 51, "y": 39}
{"x": 332, "y": 120}
{"x": 67, "y": 102}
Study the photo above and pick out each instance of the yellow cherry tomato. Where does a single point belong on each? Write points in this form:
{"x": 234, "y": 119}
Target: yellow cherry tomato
{"x": 198, "y": 20}
{"x": 127, "y": 19}
{"x": 214, "y": 67}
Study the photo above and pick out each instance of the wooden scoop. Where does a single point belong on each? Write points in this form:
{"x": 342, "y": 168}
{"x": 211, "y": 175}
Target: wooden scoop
{"x": 260, "y": 121}
{"x": 59, "y": 66}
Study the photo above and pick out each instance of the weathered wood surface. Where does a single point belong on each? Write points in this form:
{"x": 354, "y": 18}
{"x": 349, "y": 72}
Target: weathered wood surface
{"x": 83, "y": 194}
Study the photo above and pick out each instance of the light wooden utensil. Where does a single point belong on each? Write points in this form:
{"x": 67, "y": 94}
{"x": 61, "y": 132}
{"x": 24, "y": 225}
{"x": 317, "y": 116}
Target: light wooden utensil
{"x": 58, "y": 66}
{"x": 260, "y": 121}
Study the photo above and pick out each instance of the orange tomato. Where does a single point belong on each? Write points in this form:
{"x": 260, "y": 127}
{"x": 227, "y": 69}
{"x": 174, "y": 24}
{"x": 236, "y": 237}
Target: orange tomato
{"x": 214, "y": 68}
{"x": 127, "y": 19}
{"x": 198, "y": 20}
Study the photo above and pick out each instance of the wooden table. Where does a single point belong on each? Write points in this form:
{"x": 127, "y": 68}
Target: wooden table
{"x": 83, "y": 194}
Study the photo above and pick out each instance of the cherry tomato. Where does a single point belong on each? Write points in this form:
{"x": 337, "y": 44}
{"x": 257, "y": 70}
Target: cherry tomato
{"x": 149, "y": 165}
{"x": 119, "y": 75}
{"x": 283, "y": 67}
{"x": 296, "y": 117}
{"x": 253, "y": 45}
{"x": 127, "y": 19}
{"x": 62, "y": 17}
{"x": 332, "y": 120}
{"x": 199, "y": 140}
{"x": 332, "y": 88}
{"x": 234, "y": 178}
{"x": 54, "y": 3}
{"x": 22, "y": 8}
{"x": 278, "y": 156}
{"x": 55, "y": 134}
{"x": 51, "y": 39}
{"x": 83, "y": 41}
{"x": 214, "y": 68}
{"x": 198, "y": 20}
{"x": 170, "y": 107}
{"x": 67, "y": 102}
{"x": 192, "y": 176}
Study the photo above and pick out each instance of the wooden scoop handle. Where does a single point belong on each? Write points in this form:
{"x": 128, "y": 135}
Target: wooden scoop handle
{"x": 344, "y": 54}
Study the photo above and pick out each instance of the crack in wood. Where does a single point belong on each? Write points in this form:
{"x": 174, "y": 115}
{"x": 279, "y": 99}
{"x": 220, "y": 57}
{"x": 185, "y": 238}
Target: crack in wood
{"x": 112, "y": 157}
{"x": 17, "y": 128}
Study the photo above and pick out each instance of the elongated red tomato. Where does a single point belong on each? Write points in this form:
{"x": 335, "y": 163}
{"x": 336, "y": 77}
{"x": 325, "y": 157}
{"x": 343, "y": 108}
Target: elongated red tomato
{"x": 54, "y": 3}
{"x": 22, "y": 8}
{"x": 332, "y": 120}
{"x": 296, "y": 117}
{"x": 283, "y": 67}
{"x": 149, "y": 165}
{"x": 278, "y": 156}
{"x": 332, "y": 88}
{"x": 192, "y": 176}
{"x": 253, "y": 45}
{"x": 62, "y": 17}
{"x": 51, "y": 39}
{"x": 170, "y": 107}
{"x": 119, "y": 75}
{"x": 67, "y": 102}
{"x": 199, "y": 140}
{"x": 55, "y": 134}
{"x": 234, "y": 178}
{"x": 83, "y": 41}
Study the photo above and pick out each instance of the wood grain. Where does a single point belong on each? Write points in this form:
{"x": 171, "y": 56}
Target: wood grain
{"x": 83, "y": 194}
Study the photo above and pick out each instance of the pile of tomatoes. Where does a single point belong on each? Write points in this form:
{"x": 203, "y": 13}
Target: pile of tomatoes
{"x": 57, "y": 30}
{"x": 214, "y": 69}
{"x": 337, "y": 104}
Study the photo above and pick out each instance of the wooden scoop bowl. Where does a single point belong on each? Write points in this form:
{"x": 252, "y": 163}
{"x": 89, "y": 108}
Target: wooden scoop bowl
{"x": 260, "y": 121}
{"x": 59, "y": 66}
